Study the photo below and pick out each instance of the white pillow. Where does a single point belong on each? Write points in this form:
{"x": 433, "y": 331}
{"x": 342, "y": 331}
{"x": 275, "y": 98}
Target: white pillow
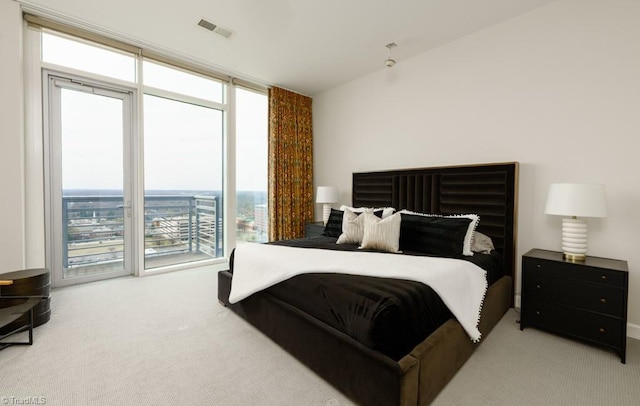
{"x": 352, "y": 228}
{"x": 386, "y": 211}
{"x": 482, "y": 243}
{"x": 381, "y": 234}
{"x": 468, "y": 237}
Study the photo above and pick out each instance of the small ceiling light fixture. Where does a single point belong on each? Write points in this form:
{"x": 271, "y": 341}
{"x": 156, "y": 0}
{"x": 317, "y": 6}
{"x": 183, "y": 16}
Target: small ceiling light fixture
{"x": 389, "y": 61}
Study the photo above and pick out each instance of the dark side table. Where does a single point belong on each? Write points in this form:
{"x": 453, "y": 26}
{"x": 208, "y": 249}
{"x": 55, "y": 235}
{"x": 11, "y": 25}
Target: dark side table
{"x": 584, "y": 300}
{"x": 28, "y": 282}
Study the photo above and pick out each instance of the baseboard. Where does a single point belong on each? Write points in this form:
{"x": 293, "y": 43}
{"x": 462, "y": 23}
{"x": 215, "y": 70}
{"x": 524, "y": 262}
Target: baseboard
{"x": 633, "y": 330}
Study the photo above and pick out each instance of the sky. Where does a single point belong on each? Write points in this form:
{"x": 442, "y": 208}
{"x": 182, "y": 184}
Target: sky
{"x": 183, "y": 143}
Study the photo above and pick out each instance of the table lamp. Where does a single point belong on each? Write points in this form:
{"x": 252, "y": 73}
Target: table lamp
{"x": 326, "y": 195}
{"x": 575, "y": 201}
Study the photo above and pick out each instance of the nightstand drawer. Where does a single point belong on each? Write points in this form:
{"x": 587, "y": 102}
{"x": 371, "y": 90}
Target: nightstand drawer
{"x": 598, "y": 298}
{"x": 578, "y": 323}
{"x": 569, "y": 270}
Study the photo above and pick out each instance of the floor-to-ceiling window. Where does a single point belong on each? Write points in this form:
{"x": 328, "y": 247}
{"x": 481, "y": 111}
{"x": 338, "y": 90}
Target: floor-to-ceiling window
{"x": 251, "y": 166}
{"x": 183, "y": 166}
{"x": 171, "y": 127}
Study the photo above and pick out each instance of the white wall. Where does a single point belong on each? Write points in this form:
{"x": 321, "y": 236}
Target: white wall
{"x": 557, "y": 90}
{"x": 12, "y": 250}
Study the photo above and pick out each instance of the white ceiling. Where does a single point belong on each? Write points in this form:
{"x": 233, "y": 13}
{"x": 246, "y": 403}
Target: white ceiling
{"x": 307, "y": 46}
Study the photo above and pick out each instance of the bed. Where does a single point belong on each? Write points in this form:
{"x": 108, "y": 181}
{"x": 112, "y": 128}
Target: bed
{"x": 415, "y": 375}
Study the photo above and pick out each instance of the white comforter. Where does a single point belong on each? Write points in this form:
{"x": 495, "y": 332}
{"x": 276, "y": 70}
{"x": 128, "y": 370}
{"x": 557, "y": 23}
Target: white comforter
{"x": 460, "y": 284}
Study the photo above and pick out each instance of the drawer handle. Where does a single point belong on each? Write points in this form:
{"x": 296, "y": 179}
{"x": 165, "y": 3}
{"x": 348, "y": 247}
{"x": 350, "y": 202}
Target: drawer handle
{"x": 538, "y": 286}
{"x": 538, "y": 266}
{"x": 603, "y": 277}
{"x": 537, "y": 312}
{"x": 603, "y": 300}
{"x": 601, "y": 330}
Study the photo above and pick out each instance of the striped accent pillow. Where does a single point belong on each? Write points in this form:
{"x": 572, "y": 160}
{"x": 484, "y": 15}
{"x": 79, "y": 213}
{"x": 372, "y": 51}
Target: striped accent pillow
{"x": 381, "y": 234}
{"x": 352, "y": 228}
{"x": 333, "y": 228}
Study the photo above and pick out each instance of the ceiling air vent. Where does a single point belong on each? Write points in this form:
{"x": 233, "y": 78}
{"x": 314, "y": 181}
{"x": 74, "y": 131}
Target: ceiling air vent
{"x": 215, "y": 28}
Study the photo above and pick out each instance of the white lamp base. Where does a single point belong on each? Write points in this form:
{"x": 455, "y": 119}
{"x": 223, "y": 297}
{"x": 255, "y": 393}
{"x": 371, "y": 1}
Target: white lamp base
{"x": 574, "y": 238}
{"x": 326, "y": 211}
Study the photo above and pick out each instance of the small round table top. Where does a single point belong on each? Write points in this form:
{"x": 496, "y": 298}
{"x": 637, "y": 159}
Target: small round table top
{"x": 25, "y": 273}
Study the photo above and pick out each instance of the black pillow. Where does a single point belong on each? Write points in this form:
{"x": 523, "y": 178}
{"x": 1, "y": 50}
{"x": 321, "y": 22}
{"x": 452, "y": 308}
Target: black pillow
{"x": 441, "y": 236}
{"x": 333, "y": 228}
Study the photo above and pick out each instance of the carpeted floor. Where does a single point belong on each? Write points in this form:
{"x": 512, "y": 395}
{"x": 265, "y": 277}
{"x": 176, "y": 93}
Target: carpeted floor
{"x": 165, "y": 340}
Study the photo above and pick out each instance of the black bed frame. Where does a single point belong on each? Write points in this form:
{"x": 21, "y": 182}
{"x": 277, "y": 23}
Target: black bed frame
{"x": 364, "y": 375}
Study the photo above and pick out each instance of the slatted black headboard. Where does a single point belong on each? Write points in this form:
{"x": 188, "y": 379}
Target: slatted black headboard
{"x": 489, "y": 190}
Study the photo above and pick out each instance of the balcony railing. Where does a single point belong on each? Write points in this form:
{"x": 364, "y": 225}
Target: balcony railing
{"x": 93, "y": 228}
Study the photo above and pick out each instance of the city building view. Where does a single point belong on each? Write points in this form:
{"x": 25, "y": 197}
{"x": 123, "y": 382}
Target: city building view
{"x": 176, "y": 222}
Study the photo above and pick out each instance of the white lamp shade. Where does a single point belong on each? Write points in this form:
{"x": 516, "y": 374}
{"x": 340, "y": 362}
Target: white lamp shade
{"x": 576, "y": 199}
{"x": 326, "y": 194}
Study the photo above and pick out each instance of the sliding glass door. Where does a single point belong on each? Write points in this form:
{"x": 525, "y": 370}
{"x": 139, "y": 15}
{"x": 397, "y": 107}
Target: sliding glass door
{"x": 91, "y": 209}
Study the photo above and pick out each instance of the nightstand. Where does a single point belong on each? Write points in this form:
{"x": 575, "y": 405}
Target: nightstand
{"x": 28, "y": 282}
{"x": 583, "y": 300}
{"x": 313, "y": 229}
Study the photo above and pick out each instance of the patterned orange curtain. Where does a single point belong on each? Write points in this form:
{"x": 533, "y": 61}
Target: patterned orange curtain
{"x": 290, "y": 164}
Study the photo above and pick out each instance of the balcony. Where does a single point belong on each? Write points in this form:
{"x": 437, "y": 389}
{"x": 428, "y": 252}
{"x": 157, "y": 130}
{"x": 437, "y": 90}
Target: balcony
{"x": 177, "y": 228}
